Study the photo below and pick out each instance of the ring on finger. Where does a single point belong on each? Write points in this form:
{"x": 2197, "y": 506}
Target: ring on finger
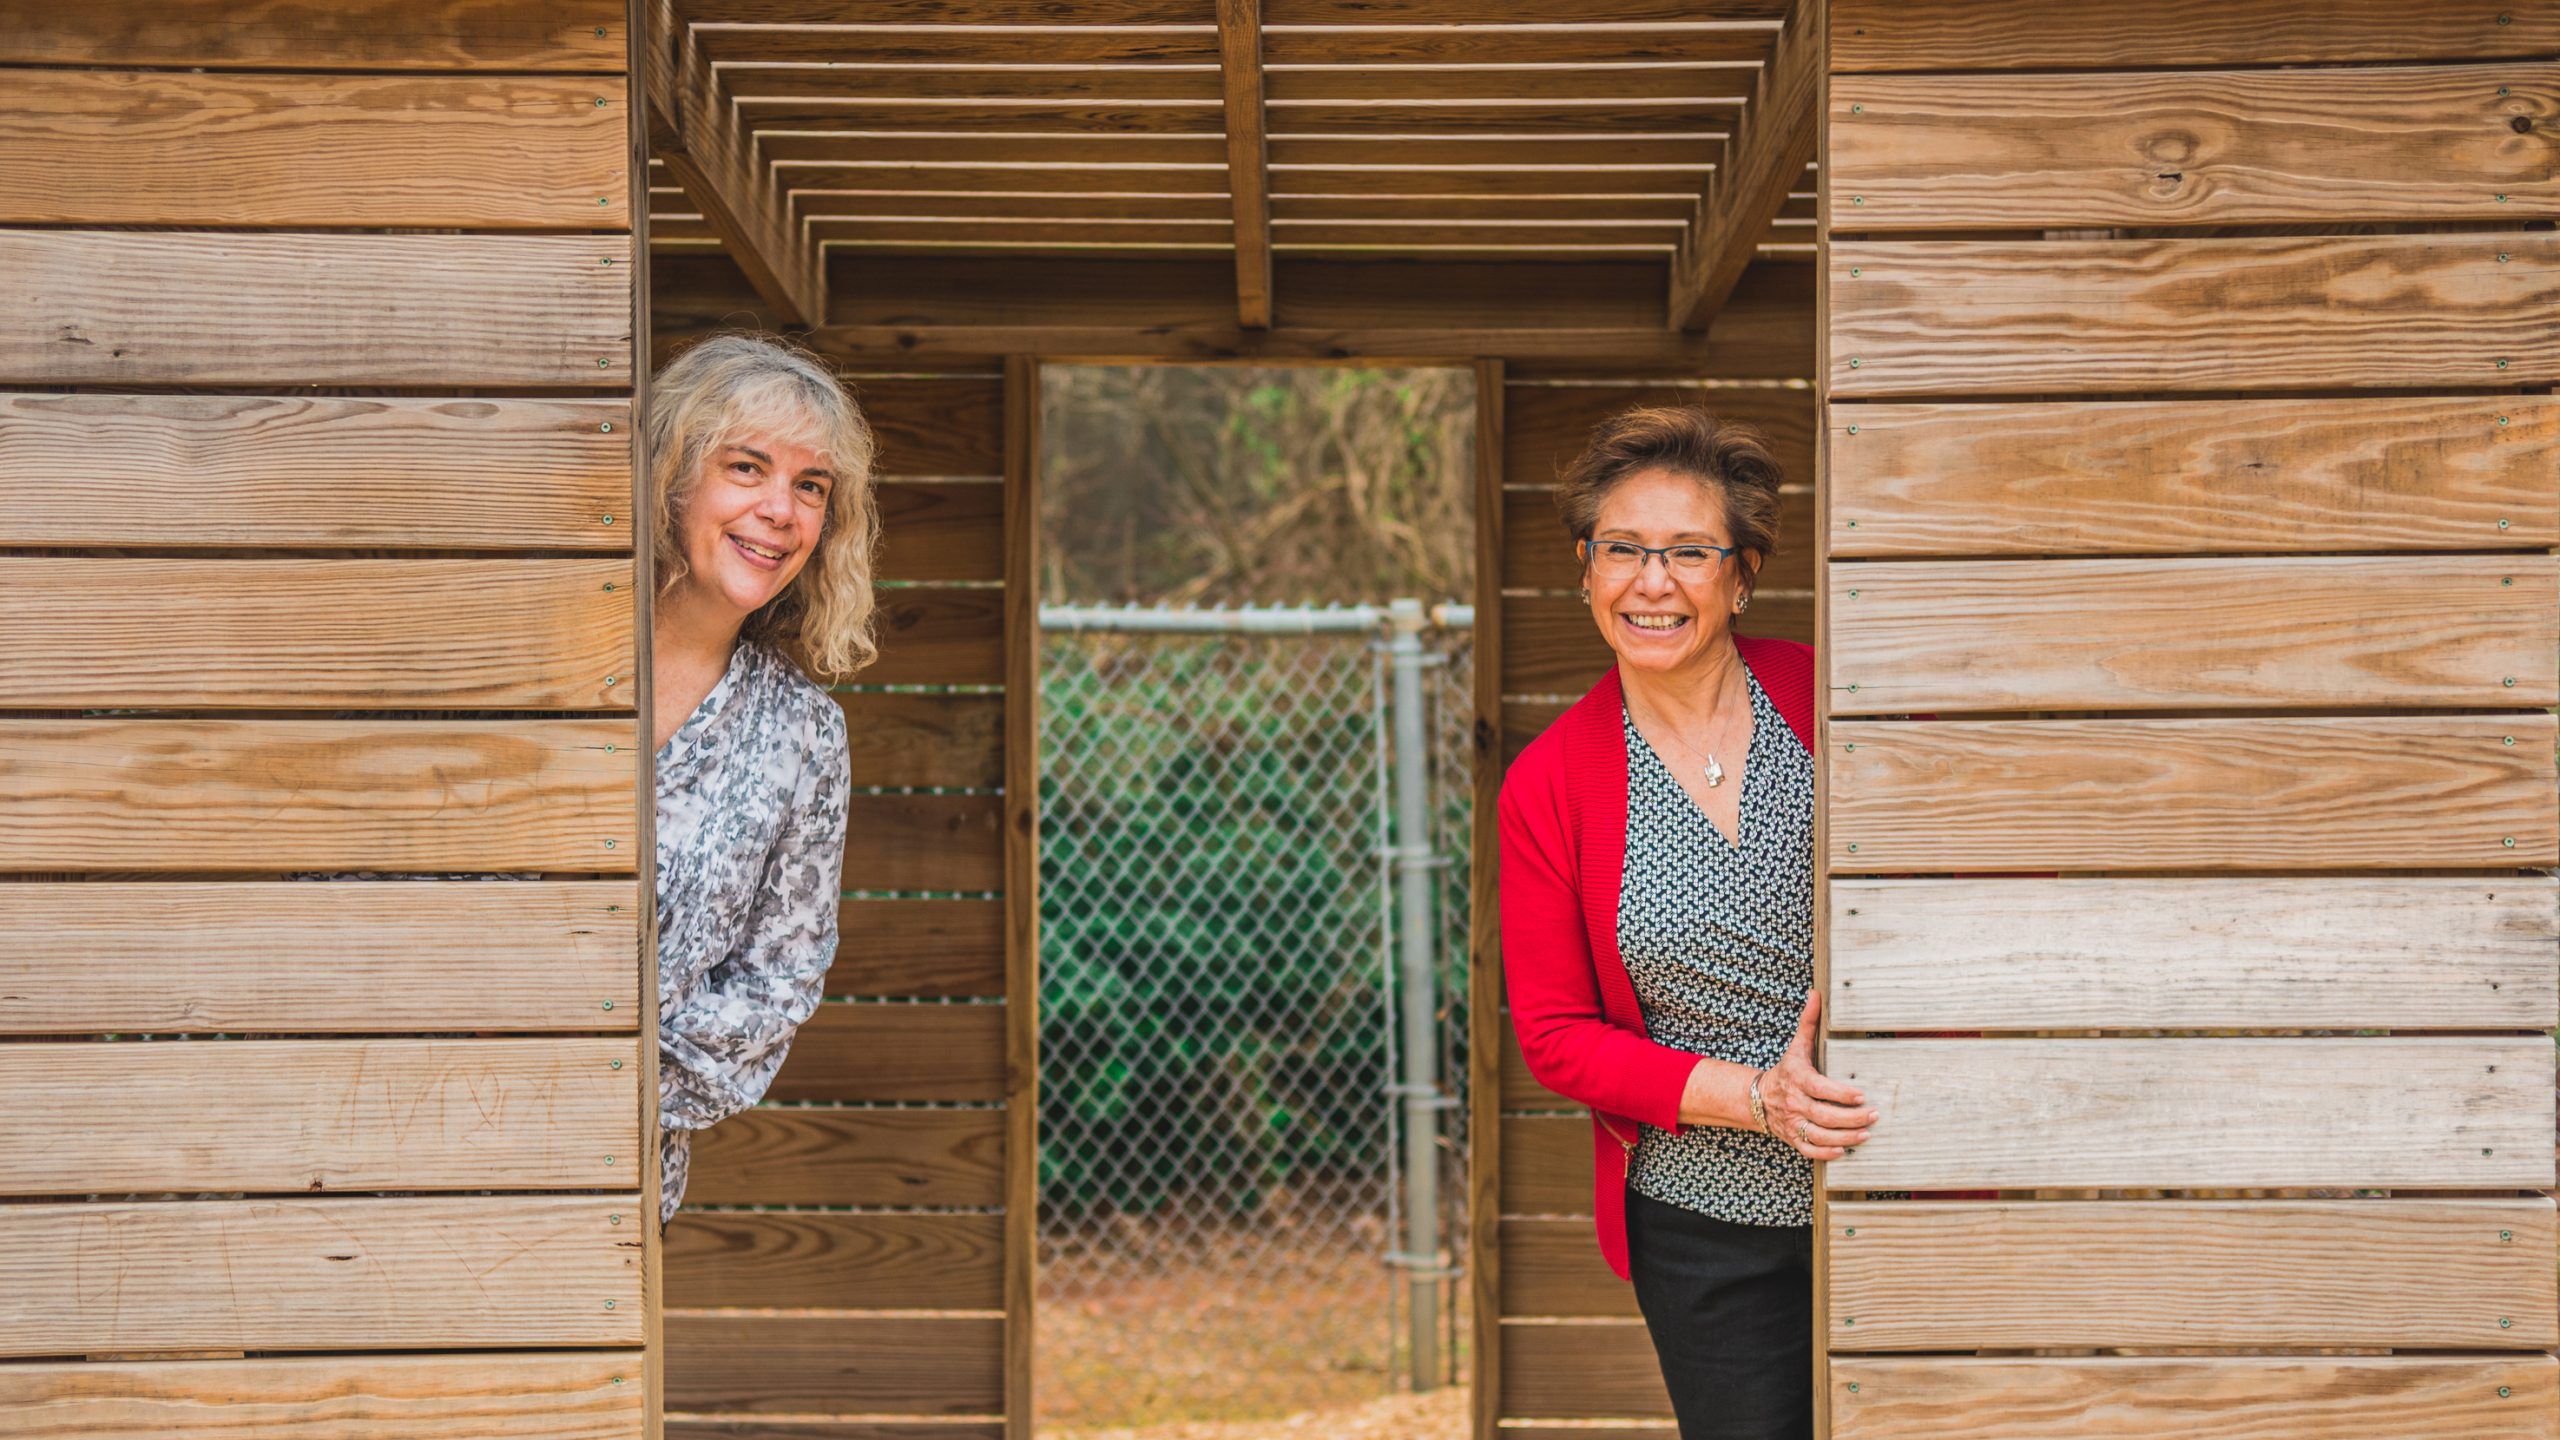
{"x": 1800, "y": 1132}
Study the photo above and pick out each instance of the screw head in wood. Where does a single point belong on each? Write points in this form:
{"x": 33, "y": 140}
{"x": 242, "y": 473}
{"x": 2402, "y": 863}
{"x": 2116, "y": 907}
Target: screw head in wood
{"x": 2509, "y": 682}
{"x": 1857, "y": 109}
{"x": 1853, "y": 429}
{"x": 1853, "y": 847}
{"x": 1852, "y": 1230}
{"x": 1851, "y": 1320}
{"x": 614, "y": 1219}
{"x": 599, "y": 99}
{"x": 604, "y": 364}
{"x": 600, "y": 35}
{"x": 2502, "y": 199}
{"x": 1861, "y": 199}
{"x": 606, "y": 428}
{"x": 2503, "y": 1322}
{"x": 1853, "y": 362}
{"x": 609, "y": 844}
{"x": 2505, "y": 579}
{"x": 617, "y": 1064}
{"x": 2502, "y": 259}
{"x": 608, "y": 1304}
{"x": 2506, "y": 739}
{"x": 608, "y": 1004}
{"x": 2506, "y": 1235}
{"x": 608, "y": 519}
{"x": 608, "y": 1159}
{"x": 1855, "y": 271}
{"x": 2502, "y": 364}
{"x": 2508, "y": 841}
{"x": 2504, "y": 1392}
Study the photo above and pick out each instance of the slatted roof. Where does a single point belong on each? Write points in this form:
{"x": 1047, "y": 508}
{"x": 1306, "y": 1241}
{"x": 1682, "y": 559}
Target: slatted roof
{"x": 1501, "y": 129}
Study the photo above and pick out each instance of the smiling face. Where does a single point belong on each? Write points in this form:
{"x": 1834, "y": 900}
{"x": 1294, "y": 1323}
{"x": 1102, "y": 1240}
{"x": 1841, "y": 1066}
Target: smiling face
{"x": 752, "y": 519}
{"x": 1659, "y": 619}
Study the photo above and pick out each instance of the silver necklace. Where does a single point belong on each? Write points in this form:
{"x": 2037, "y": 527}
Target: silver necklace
{"x": 1715, "y": 770}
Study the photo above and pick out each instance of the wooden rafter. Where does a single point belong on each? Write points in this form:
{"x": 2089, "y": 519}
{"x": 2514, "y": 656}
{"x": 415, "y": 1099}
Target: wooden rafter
{"x": 1769, "y": 150}
{"x": 694, "y": 128}
{"x": 1248, "y": 159}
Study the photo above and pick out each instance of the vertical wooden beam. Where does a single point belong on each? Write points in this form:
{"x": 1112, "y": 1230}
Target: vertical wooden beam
{"x": 1485, "y": 1020}
{"x": 1811, "y": 23}
{"x": 1248, "y": 166}
{"x": 694, "y": 128}
{"x": 1021, "y": 884}
{"x": 643, "y": 514}
{"x": 1771, "y": 146}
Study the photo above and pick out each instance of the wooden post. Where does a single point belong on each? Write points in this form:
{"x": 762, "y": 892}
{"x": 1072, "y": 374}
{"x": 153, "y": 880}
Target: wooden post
{"x": 1485, "y": 1021}
{"x": 1021, "y": 885}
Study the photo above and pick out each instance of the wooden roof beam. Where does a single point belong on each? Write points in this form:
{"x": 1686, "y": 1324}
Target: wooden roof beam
{"x": 695, "y": 129}
{"x": 1768, "y": 152}
{"x": 1248, "y": 157}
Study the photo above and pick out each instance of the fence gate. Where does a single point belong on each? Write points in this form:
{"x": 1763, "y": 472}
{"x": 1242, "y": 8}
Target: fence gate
{"x": 1226, "y": 1210}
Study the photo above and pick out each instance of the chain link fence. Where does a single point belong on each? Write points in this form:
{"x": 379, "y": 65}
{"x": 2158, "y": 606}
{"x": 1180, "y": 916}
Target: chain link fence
{"x": 1221, "y": 1225}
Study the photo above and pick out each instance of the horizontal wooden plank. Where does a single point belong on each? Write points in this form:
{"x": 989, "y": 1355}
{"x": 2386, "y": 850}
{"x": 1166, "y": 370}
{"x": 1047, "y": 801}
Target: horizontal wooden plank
{"x": 936, "y": 948}
{"x": 157, "y": 147}
{"x": 259, "y": 795}
{"x": 936, "y": 636}
{"x": 379, "y": 957}
{"x": 1545, "y": 426}
{"x": 1570, "y": 1371}
{"x": 775, "y": 1155}
{"x": 377, "y": 472}
{"x": 2263, "y": 794}
{"x": 1988, "y": 152}
{"x": 786, "y": 1427}
{"x": 345, "y": 634}
{"x": 579, "y": 35}
{"x": 2058, "y": 34}
{"x": 821, "y": 1260}
{"x": 2259, "y": 953}
{"x": 934, "y": 425}
{"x": 907, "y": 738}
{"x": 896, "y": 1052}
{"x": 559, "y": 1395}
{"x": 2145, "y": 477}
{"x": 924, "y": 842}
{"x": 2200, "y": 1113}
{"x": 1992, "y": 317}
{"x": 1546, "y": 1165}
{"x": 84, "y": 307}
{"x": 923, "y": 1365}
{"x": 2194, "y": 634}
{"x": 1537, "y": 552}
{"x": 2421, "y": 1274}
{"x": 941, "y": 532}
{"x": 1553, "y": 1268}
{"x": 1552, "y": 646}
{"x": 310, "y": 1115}
{"x": 2228, "y": 1397}
{"x": 298, "y": 1274}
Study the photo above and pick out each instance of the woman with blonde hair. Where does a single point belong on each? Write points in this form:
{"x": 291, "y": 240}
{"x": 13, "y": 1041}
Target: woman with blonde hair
{"x": 761, "y": 465}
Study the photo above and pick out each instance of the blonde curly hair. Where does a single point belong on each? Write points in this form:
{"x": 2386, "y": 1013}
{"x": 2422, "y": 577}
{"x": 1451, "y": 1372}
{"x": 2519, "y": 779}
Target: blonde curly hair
{"x": 729, "y": 385}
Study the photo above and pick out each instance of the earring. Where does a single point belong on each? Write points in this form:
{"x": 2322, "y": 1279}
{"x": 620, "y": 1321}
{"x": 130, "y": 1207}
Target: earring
{"x": 1586, "y": 594}
{"x": 1742, "y": 604}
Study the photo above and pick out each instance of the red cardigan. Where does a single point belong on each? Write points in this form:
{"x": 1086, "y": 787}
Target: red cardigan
{"x": 1564, "y": 850}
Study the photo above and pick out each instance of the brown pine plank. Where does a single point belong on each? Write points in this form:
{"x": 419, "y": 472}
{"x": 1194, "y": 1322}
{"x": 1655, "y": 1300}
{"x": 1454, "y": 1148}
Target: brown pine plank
{"x": 1553, "y": 1268}
{"x": 356, "y": 957}
{"x": 1945, "y": 636}
{"x": 941, "y": 532}
{"x": 906, "y": 738}
{"x": 933, "y": 948}
{"x": 775, "y": 1155}
{"x": 2221, "y": 475}
{"x": 896, "y": 1052}
{"x": 206, "y": 470}
{"x": 2259, "y": 953}
{"x": 1545, "y": 426}
{"x": 891, "y": 1365}
{"x": 701, "y": 142}
{"x": 1552, "y": 646}
{"x": 298, "y": 1274}
{"x": 2230, "y": 1397}
{"x": 924, "y": 842}
{"x": 2199, "y": 1113}
{"x": 111, "y": 794}
{"x": 2273, "y": 794}
{"x": 1984, "y": 152}
{"x": 1546, "y": 1165}
{"x": 311, "y": 1115}
{"x": 932, "y": 425}
{"x": 703, "y": 1427}
{"x": 556, "y": 35}
{"x": 2062, "y": 35}
{"x": 938, "y": 636}
{"x": 483, "y": 311}
{"x": 1538, "y": 553}
{"x": 2426, "y": 1274}
{"x": 559, "y": 1395}
{"x": 347, "y": 634}
{"x": 1574, "y": 1370}
{"x": 813, "y": 1260}
{"x": 103, "y": 147}
{"x": 2283, "y": 313}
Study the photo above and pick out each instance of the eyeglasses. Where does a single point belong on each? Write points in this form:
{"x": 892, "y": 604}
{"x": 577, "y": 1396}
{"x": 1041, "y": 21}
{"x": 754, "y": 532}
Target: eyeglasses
{"x": 1619, "y": 559}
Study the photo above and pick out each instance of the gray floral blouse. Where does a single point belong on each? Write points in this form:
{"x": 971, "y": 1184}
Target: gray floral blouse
{"x": 751, "y": 816}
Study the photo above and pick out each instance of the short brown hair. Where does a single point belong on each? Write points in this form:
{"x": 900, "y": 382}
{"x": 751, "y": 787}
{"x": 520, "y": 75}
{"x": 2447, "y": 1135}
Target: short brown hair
{"x": 1686, "y": 441}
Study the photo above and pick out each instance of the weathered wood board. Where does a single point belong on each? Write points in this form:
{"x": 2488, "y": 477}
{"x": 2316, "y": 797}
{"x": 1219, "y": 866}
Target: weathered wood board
{"x": 493, "y": 1395}
{"x": 775, "y": 1155}
{"x": 2259, "y": 952}
{"x": 879, "y": 1364}
{"x": 794, "y": 1259}
{"x": 2220, "y": 1113}
{"x": 892, "y": 1052}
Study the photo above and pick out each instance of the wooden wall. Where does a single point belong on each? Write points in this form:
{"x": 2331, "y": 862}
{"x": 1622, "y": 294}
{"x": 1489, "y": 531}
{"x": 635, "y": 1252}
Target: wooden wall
{"x": 2190, "y": 463}
{"x": 860, "y": 1244}
{"x": 317, "y": 373}
{"x": 1557, "y": 1338}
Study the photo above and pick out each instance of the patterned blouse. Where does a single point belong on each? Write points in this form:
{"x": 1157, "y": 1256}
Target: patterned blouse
{"x": 1718, "y": 938}
{"x": 751, "y": 815}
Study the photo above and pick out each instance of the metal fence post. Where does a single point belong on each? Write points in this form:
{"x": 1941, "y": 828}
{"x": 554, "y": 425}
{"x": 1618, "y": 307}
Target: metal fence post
{"x": 1417, "y": 998}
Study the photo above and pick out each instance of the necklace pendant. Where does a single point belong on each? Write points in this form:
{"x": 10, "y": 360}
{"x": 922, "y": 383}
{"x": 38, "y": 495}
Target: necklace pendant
{"x": 1715, "y": 773}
